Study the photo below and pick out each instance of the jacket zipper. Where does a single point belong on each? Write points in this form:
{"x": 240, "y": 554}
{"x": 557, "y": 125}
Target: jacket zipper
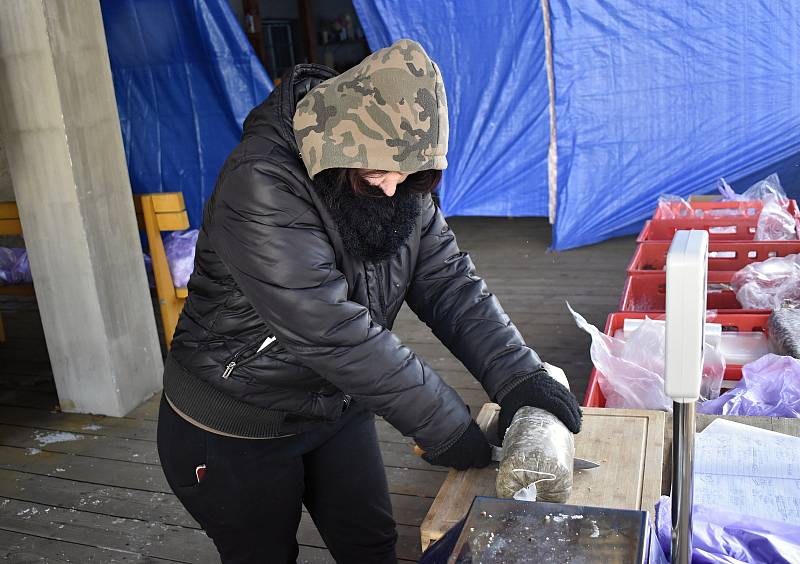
{"x": 381, "y": 295}
{"x": 266, "y": 345}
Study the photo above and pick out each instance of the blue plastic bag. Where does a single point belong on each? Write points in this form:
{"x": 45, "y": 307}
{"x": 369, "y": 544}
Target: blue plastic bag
{"x": 179, "y": 246}
{"x": 729, "y": 538}
{"x": 14, "y": 267}
{"x": 769, "y": 387}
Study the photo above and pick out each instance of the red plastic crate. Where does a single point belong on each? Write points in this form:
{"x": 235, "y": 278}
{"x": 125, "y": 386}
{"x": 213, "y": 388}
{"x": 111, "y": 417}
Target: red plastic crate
{"x": 651, "y": 258}
{"x": 719, "y": 229}
{"x": 713, "y": 210}
{"x": 648, "y": 293}
{"x": 743, "y": 322}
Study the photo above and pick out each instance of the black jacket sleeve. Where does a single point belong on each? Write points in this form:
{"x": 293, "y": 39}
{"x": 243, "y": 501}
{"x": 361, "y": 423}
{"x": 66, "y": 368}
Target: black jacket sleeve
{"x": 455, "y": 303}
{"x": 279, "y": 255}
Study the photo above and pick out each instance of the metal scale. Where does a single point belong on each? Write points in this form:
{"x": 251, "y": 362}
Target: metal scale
{"x": 687, "y": 271}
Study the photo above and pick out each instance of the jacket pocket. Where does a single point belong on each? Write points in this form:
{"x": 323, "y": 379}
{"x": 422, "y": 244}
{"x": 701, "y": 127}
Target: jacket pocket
{"x": 248, "y": 355}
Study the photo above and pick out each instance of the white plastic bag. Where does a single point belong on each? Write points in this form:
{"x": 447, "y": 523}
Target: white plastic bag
{"x": 631, "y": 372}
{"x": 770, "y": 284}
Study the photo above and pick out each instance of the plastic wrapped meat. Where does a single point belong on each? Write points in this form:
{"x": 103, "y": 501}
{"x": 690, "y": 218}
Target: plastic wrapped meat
{"x": 538, "y": 452}
{"x": 775, "y": 223}
{"x": 784, "y": 332}
{"x": 770, "y": 284}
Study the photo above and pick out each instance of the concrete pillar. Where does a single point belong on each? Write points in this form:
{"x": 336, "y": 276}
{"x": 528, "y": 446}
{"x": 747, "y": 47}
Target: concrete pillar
{"x": 61, "y": 134}
{"x": 6, "y": 190}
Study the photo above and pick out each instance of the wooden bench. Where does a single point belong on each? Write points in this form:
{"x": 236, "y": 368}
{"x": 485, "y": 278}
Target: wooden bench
{"x": 155, "y": 213}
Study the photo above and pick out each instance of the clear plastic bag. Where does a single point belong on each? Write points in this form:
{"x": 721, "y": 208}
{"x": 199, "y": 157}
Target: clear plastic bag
{"x": 631, "y": 372}
{"x": 775, "y": 223}
{"x": 14, "y": 267}
{"x": 728, "y": 195}
{"x": 179, "y": 246}
{"x": 538, "y": 454}
{"x": 766, "y": 190}
{"x": 770, "y": 284}
{"x": 674, "y": 207}
{"x": 770, "y": 387}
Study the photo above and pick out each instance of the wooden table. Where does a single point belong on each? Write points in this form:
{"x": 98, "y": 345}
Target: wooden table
{"x": 628, "y": 444}
{"x": 632, "y": 446}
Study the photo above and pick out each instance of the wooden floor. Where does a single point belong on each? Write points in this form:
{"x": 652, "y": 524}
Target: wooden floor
{"x": 82, "y": 488}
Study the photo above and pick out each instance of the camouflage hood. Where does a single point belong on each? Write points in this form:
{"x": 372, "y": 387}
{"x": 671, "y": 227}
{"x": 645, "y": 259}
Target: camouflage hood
{"x": 389, "y": 112}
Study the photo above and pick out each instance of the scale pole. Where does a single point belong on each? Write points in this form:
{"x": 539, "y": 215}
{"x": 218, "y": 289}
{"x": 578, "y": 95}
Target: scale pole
{"x": 687, "y": 286}
{"x": 683, "y": 430}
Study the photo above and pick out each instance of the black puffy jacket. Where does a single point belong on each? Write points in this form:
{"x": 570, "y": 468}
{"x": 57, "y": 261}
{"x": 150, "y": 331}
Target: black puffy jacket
{"x": 270, "y": 263}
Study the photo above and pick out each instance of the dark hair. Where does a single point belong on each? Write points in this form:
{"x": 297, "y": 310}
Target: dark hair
{"x": 422, "y": 182}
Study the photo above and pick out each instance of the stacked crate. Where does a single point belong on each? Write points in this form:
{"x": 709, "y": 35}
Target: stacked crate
{"x": 732, "y": 228}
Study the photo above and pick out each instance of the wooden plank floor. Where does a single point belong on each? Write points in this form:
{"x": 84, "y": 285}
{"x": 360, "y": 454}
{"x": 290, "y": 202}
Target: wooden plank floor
{"x": 83, "y": 488}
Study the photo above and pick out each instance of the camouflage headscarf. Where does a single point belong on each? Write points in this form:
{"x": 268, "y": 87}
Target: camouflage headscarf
{"x": 389, "y": 112}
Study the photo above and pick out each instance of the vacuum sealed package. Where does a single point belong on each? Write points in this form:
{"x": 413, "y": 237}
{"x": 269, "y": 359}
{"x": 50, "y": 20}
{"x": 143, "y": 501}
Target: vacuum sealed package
{"x": 770, "y": 284}
{"x": 784, "y": 332}
{"x": 538, "y": 453}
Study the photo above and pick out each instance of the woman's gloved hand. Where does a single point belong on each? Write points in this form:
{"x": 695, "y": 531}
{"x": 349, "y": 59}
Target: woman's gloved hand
{"x": 544, "y": 392}
{"x": 471, "y": 450}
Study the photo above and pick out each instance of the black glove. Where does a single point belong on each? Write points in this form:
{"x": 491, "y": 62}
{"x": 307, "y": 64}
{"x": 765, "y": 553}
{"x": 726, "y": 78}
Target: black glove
{"x": 544, "y": 392}
{"x": 471, "y": 450}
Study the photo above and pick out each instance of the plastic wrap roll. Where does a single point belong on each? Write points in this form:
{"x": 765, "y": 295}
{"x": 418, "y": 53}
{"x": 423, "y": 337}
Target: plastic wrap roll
{"x": 537, "y": 449}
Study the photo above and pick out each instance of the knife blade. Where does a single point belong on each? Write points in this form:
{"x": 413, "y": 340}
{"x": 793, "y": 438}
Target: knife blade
{"x": 577, "y": 464}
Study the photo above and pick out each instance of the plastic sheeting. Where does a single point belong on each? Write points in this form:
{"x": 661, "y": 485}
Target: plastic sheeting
{"x": 770, "y": 387}
{"x": 665, "y": 97}
{"x": 491, "y": 55}
{"x": 719, "y": 537}
{"x": 185, "y": 77}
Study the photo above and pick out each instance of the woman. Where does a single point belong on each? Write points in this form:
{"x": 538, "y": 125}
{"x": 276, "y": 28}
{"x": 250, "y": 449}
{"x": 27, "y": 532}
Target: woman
{"x": 320, "y": 227}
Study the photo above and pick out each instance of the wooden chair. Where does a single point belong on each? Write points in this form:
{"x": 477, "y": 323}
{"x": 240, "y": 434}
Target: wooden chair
{"x": 154, "y": 213}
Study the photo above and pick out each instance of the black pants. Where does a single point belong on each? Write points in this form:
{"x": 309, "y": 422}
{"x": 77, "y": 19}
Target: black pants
{"x": 249, "y": 501}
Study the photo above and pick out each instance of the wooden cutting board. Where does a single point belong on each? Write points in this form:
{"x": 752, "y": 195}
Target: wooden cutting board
{"x": 628, "y": 444}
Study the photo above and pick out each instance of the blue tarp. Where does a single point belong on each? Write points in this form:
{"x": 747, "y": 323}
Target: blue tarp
{"x": 491, "y": 55}
{"x": 185, "y": 78}
{"x": 668, "y": 96}
{"x": 651, "y": 98}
